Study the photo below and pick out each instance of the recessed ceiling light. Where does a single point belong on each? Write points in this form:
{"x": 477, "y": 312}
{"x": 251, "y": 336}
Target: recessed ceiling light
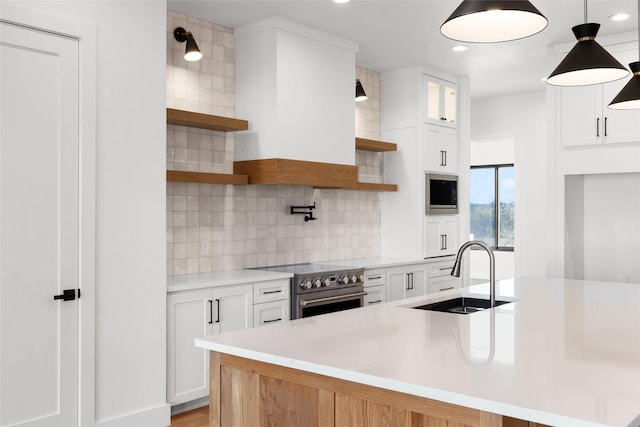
{"x": 619, "y": 17}
{"x": 460, "y": 48}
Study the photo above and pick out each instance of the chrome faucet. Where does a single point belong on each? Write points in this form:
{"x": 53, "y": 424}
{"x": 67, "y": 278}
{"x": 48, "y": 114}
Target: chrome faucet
{"x": 455, "y": 271}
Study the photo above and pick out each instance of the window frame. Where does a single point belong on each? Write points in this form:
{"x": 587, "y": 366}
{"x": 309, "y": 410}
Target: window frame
{"x": 496, "y": 205}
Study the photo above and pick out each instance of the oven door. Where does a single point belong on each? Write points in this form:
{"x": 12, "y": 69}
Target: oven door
{"x": 328, "y": 301}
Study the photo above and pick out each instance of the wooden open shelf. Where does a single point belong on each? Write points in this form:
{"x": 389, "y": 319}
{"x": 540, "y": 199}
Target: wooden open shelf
{"x": 205, "y": 121}
{"x": 373, "y": 145}
{"x": 207, "y": 178}
{"x": 370, "y": 186}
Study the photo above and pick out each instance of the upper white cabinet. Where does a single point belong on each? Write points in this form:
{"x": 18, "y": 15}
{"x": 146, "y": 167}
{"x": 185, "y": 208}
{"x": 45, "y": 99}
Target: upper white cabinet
{"x": 585, "y": 119}
{"x": 441, "y": 102}
{"x": 440, "y": 149}
{"x": 441, "y": 235}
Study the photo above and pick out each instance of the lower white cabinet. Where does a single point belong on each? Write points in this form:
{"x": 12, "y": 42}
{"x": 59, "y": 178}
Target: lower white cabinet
{"x": 267, "y": 313}
{"x": 407, "y": 281}
{"x": 441, "y": 235}
{"x": 440, "y": 278}
{"x": 194, "y": 314}
{"x": 375, "y": 295}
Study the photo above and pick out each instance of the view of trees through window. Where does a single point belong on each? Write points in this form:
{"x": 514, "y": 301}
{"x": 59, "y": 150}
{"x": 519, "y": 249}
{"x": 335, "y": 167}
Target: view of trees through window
{"x": 492, "y": 205}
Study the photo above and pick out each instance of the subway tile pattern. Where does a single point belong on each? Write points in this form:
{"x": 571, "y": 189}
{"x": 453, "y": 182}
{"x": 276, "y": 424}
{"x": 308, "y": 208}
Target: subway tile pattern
{"x": 226, "y": 227}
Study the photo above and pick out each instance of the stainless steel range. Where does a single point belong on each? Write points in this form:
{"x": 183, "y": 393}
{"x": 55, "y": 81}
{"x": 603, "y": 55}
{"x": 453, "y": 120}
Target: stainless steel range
{"x": 323, "y": 288}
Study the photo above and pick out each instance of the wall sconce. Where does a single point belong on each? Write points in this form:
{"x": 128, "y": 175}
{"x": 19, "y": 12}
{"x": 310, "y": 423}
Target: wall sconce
{"x": 360, "y": 94}
{"x": 191, "y": 53}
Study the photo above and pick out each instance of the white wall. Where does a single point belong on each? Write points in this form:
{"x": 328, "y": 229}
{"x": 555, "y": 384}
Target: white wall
{"x": 522, "y": 118}
{"x": 130, "y": 204}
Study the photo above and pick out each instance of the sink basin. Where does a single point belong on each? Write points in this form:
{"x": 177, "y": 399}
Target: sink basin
{"x": 461, "y": 305}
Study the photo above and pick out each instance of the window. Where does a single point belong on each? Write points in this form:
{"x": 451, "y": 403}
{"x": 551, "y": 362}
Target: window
{"x": 492, "y": 205}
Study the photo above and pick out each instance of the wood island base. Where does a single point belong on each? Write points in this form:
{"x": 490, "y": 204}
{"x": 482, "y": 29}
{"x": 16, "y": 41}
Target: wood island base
{"x": 249, "y": 393}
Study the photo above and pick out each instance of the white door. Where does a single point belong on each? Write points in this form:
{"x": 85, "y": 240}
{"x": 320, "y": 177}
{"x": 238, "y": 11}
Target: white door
{"x": 581, "y": 115}
{"x": 232, "y": 308}
{"x": 39, "y": 250}
{"x": 398, "y": 281}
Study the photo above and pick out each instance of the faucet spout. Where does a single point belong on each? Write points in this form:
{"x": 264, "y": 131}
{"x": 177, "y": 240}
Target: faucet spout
{"x": 455, "y": 271}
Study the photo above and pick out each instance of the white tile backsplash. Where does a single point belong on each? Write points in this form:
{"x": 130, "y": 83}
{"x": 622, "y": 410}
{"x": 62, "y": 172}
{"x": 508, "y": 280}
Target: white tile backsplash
{"x": 225, "y": 227}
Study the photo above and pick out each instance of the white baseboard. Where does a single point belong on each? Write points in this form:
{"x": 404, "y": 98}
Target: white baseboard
{"x": 188, "y": 406}
{"x": 158, "y": 416}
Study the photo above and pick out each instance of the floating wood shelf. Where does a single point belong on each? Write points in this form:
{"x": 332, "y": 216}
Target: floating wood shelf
{"x": 205, "y": 121}
{"x": 373, "y": 145}
{"x": 371, "y": 186}
{"x": 206, "y": 178}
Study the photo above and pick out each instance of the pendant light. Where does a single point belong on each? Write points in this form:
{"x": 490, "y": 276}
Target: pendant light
{"x": 587, "y": 63}
{"x": 629, "y": 96}
{"x": 489, "y": 21}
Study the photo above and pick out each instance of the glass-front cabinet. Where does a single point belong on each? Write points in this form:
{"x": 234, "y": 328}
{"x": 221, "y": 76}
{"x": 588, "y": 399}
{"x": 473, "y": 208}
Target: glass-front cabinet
{"x": 441, "y": 102}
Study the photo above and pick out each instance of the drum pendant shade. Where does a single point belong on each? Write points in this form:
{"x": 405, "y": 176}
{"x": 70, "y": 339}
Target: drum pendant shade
{"x": 490, "y": 21}
{"x": 587, "y": 63}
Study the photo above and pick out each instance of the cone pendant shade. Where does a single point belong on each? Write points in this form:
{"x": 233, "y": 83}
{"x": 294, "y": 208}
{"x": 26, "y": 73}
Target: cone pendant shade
{"x": 587, "y": 63}
{"x": 629, "y": 96}
{"x": 489, "y": 21}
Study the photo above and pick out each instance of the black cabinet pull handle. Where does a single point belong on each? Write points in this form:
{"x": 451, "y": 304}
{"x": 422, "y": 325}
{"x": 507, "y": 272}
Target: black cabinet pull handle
{"x": 447, "y": 289}
{"x": 375, "y": 302}
{"x": 218, "y": 307}
{"x": 210, "y": 311}
{"x": 445, "y": 242}
{"x": 271, "y": 321}
{"x": 605, "y": 126}
{"x": 598, "y": 127}
{"x": 272, "y": 292}
{"x": 374, "y": 278}
{"x": 445, "y": 158}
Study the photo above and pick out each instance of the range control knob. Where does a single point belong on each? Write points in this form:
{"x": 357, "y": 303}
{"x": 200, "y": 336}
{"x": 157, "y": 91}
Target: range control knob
{"x": 317, "y": 283}
{"x": 306, "y": 284}
{"x": 326, "y": 282}
{"x": 344, "y": 280}
{"x": 354, "y": 279}
{"x": 361, "y": 277}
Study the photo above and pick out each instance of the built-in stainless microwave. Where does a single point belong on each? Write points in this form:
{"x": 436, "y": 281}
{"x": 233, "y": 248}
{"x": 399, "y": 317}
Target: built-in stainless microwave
{"x": 441, "y": 193}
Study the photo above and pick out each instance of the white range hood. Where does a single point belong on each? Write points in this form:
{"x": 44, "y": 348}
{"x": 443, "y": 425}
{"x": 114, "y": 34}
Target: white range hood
{"x": 295, "y": 85}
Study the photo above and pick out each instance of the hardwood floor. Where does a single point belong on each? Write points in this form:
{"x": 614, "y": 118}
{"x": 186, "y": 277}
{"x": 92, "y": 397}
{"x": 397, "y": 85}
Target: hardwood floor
{"x": 195, "y": 418}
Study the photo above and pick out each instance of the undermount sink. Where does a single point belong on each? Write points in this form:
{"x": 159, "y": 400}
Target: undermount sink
{"x": 460, "y": 305}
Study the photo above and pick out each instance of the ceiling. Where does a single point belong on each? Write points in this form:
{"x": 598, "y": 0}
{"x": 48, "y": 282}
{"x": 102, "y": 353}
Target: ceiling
{"x": 394, "y": 34}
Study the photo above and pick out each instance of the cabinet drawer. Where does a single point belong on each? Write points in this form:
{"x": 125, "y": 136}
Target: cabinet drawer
{"x": 275, "y": 290}
{"x": 268, "y": 313}
{"x": 375, "y": 277}
{"x": 375, "y": 295}
{"x": 443, "y": 268}
{"x": 443, "y": 283}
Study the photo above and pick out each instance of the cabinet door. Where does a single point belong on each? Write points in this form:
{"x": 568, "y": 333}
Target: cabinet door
{"x": 441, "y": 236}
{"x": 270, "y": 312}
{"x": 417, "y": 282}
{"x": 441, "y": 102}
{"x": 375, "y": 295}
{"x": 620, "y": 125}
{"x": 398, "y": 281}
{"x": 443, "y": 283}
{"x": 232, "y": 308}
{"x": 440, "y": 149}
{"x": 580, "y": 115}
{"x": 188, "y": 318}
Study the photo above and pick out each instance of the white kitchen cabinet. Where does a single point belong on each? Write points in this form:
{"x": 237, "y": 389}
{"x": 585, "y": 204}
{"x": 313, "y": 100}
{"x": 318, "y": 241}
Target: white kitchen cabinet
{"x": 375, "y": 295}
{"x": 267, "y": 313}
{"x": 584, "y": 116}
{"x": 441, "y": 235}
{"x": 194, "y": 314}
{"x": 439, "y": 276}
{"x": 440, "y": 149}
{"x": 406, "y": 281}
{"x": 441, "y": 102}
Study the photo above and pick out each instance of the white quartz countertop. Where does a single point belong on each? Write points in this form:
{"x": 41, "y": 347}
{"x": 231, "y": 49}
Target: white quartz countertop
{"x": 221, "y": 278}
{"x": 564, "y": 353}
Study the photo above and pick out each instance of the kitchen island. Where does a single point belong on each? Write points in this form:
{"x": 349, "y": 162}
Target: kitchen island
{"x": 562, "y": 353}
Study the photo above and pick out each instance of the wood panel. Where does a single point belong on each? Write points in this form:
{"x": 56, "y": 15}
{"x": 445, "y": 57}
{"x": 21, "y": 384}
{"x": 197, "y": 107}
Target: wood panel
{"x": 422, "y": 420}
{"x": 285, "y": 171}
{"x": 205, "y": 121}
{"x": 206, "y": 178}
{"x": 453, "y": 415}
{"x": 284, "y": 403}
{"x": 239, "y": 398}
{"x": 373, "y": 145}
{"x": 214, "y": 388}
